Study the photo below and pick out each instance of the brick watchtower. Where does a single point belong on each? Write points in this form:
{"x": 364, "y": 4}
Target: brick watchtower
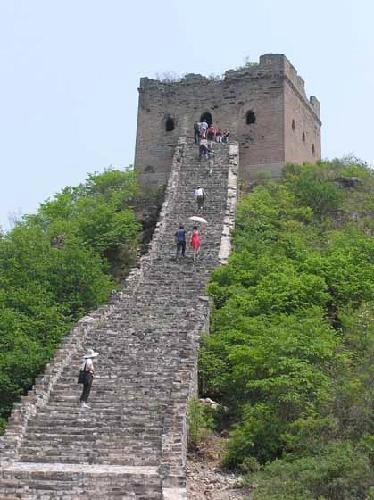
{"x": 263, "y": 105}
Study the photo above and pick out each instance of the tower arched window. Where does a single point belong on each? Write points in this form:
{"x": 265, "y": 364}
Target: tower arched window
{"x": 169, "y": 124}
{"x": 313, "y": 150}
{"x": 207, "y": 117}
{"x": 293, "y": 125}
{"x": 250, "y": 117}
{"x": 303, "y": 136}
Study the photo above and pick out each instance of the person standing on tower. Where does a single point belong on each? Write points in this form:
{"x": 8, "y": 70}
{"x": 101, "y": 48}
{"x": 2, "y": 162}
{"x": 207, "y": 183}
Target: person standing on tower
{"x": 218, "y": 135}
{"x": 203, "y": 148}
{"x": 211, "y": 133}
{"x": 225, "y": 136}
{"x": 203, "y": 128}
{"x": 196, "y": 128}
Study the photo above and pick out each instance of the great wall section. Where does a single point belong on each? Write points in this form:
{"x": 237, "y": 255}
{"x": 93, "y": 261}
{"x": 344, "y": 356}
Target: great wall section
{"x": 132, "y": 443}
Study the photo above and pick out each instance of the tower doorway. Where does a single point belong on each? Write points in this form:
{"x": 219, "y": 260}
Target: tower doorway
{"x": 207, "y": 117}
{"x": 169, "y": 124}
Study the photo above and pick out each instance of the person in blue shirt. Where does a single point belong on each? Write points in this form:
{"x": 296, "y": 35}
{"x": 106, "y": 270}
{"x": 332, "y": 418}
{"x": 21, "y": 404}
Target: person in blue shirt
{"x": 180, "y": 240}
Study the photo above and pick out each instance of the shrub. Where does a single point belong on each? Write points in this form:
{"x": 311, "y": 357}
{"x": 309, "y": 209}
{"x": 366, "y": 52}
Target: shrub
{"x": 291, "y": 346}
{"x": 54, "y": 268}
{"x": 200, "y": 422}
{"x": 340, "y": 471}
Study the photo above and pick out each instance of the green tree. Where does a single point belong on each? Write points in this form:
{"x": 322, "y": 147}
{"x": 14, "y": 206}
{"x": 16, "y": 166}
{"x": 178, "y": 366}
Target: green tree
{"x": 291, "y": 347}
{"x": 54, "y": 267}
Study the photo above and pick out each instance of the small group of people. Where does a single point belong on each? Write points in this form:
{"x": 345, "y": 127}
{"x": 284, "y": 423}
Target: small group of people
{"x": 205, "y": 135}
{"x": 215, "y": 134}
{"x": 181, "y": 242}
{"x": 87, "y": 370}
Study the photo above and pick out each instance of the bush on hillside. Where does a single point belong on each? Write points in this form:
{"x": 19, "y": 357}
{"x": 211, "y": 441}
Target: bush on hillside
{"x": 54, "y": 267}
{"x": 200, "y": 422}
{"x": 339, "y": 471}
{"x": 291, "y": 345}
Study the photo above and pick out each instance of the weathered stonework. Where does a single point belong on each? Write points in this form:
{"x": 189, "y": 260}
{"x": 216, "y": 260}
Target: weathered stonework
{"x": 232, "y": 199}
{"x": 286, "y": 124}
{"x": 132, "y": 444}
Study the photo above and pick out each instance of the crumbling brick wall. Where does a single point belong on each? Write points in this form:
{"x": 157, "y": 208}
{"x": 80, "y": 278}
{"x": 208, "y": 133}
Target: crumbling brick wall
{"x": 258, "y": 103}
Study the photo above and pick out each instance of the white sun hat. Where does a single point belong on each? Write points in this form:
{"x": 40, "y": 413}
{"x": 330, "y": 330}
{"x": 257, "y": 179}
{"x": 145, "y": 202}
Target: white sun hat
{"x": 91, "y": 354}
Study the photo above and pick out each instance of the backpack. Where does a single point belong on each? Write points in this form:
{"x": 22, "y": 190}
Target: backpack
{"x": 82, "y": 377}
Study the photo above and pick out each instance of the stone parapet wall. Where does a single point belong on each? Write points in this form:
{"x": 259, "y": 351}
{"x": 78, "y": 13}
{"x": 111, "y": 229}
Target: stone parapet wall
{"x": 38, "y": 396}
{"x": 232, "y": 199}
{"x": 73, "y": 343}
{"x": 134, "y": 439}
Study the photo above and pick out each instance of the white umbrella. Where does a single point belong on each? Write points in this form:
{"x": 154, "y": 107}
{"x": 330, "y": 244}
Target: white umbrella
{"x": 195, "y": 218}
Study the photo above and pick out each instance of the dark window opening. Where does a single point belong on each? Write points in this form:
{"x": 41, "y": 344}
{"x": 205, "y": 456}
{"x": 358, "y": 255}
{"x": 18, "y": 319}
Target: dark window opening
{"x": 313, "y": 150}
{"x": 149, "y": 169}
{"x": 250, "y": 117}
{"x": 293, "y": 125}
{"x": 169, "y": 125}
{"x": 207, "y": 117}
{"x": 303, "y": 137}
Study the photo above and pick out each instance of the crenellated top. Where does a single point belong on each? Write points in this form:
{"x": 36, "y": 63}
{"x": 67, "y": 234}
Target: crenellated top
{"x": 263, "y": 104}
{"x": 269, "y": 66}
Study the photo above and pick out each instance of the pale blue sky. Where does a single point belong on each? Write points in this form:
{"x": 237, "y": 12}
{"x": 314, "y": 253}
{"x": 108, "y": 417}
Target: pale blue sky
{"x": 69, "y": 71}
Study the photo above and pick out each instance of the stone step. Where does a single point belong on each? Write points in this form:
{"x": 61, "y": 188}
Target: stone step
{"x": 83, "y": 481}
{"x": 148, "y": 347}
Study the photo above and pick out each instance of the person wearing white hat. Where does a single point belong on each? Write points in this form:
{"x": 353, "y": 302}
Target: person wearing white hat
{"x": 89, "y": 370}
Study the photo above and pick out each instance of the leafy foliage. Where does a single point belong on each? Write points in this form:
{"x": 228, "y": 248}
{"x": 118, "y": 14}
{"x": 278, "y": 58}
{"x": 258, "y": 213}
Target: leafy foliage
{"x": 339, "y": 471}
{"x": 200, "y": 422}
{"x": 292, "y": 338}
{"x": 54, "y": 266}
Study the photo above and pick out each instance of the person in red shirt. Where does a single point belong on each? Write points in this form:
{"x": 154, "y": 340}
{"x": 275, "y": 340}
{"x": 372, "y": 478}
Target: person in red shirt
{"x": 195, "y": 242}
{"x": 211, "y": 133}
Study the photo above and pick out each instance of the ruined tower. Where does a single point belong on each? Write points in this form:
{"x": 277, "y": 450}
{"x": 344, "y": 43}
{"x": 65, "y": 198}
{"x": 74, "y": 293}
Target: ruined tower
{"x": 263, "y": 105}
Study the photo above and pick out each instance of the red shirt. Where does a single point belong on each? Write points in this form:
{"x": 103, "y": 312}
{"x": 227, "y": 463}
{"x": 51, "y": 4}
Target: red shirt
{"x": 195, "y": 240}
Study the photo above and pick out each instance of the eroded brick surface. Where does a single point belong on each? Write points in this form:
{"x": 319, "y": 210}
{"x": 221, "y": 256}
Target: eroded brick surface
{"x": 272, "y": 90}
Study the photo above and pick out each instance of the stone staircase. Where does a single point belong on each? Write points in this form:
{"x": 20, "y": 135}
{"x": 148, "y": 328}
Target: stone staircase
{"x": 132, "y": 443}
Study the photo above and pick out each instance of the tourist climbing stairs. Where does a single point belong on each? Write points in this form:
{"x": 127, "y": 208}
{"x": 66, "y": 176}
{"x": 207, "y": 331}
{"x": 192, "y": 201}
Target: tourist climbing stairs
{"x": 131, "y": 444}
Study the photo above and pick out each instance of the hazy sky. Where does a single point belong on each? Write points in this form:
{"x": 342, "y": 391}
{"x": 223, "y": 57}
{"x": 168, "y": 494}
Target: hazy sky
{"x": 69, "y": 71}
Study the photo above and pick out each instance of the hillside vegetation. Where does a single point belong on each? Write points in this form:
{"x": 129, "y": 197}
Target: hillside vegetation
{"x": 291, "y": 350}
{"x": 55, "y": 266}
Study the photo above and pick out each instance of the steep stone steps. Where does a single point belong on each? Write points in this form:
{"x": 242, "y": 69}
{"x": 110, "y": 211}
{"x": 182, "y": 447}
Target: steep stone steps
{"x": 73, "y": 481}
{"x": 147, "y": 344}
